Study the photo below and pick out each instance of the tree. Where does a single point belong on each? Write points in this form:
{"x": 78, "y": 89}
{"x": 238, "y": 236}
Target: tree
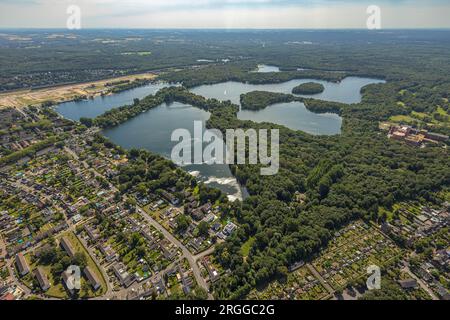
{"x": 183, "y": 222}
{"x": 140, "y": 251}
{"x": 135, "y": 240}
{"x": 47, "y": 256}
{"x": 203, "y": 229}
{"x": 80, "y": 260}
{"x": 88, "y": 122}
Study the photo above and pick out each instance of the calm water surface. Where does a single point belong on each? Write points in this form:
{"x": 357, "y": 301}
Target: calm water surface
{"x": 294, "y": 115}
{"x": 263, "y": 68}
{"x": 346, "y": 91}
{"x": 152, "y": 130}
{"x": 92, "y": 108}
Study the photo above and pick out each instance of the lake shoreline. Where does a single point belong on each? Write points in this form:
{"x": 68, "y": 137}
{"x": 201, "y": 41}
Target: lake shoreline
{"x": 151, "y": 129}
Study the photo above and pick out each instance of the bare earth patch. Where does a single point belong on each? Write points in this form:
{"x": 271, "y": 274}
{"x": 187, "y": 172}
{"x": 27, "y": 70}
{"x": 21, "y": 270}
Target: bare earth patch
{"x": 23, "y": 98}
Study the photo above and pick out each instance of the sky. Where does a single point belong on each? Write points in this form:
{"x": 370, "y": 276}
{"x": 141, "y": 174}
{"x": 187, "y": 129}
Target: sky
{"x": 265, "y": 14}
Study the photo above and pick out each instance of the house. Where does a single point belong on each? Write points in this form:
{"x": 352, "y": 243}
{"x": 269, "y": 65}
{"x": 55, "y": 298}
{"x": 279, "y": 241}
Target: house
{"x": 108, "y": 252}
{"x": 67, "y": 246}
{"x": 216, "y": 226}
{"x": 295, "y": 266}
{"x": 22, "y": 265}
{"x": 206, "y": 208}
{"x": 77, "y": 218}
{"x": 170, "y": 198}
{"x": 229, "y": 228}
{"x": 197, "y": 214}
{"x": 92, "y": 277}
{"x": 123, "y": 276}
{"x": 8, "y": 297}
{"x": 93, "y": 234}
{"x": 142, "y": 292}
{"x": 436, "y": 136}
{"x": 169, "y": 252}
{"x": 196, "y": 244}
{"x": 408, "y": 283}
{"x": 386, "y": 228}
{"x": 212, "y": 272}
{"x": 158, "y": 284}
{"x": 42, "y": 279}
{"x": 186, "y": 283}
{"x": 210, "y": 218}
{"x": 443, "y": 293}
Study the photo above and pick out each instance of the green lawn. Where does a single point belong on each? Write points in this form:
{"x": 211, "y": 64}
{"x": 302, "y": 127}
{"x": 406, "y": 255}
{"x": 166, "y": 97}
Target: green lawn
{"x": 78, "y": 246}
{"x": 56, "y": 289}
{"x": 245, "y": 249}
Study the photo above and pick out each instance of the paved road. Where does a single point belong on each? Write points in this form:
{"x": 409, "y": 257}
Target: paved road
{"x": 2, "y": 247}
{"x": 186, "y": 253}
{"x": 16, "y": 281}
{"x": 203, "y": 254}
{"x": 421, "y": 283}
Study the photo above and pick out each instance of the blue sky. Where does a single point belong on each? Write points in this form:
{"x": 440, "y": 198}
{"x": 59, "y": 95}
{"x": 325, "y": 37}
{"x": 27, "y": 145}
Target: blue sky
{"x": 225, "y": 13}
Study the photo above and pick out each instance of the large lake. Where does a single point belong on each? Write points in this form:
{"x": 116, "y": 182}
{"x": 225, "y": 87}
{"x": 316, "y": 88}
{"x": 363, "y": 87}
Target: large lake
{"x": 292, "y": 115}
{"x": 264, "y": 68}
{"x": 346, "y": 91}
{"x": 92, "y": 108}
{"x": 152, "y": 130}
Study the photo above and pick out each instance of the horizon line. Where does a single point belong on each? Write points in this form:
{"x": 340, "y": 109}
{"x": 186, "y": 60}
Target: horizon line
{"x": 225, "y": 29}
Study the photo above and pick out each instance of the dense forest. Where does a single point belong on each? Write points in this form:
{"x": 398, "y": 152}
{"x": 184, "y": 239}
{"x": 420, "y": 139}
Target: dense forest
{"x": 257, "y": 100}
{"x": 309, "y": 88}
{"x": 240, "y": 72}
{"x": 34, "y": 58}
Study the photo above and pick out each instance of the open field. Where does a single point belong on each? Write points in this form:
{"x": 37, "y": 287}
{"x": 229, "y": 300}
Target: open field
{"x": 439, "y": 118}
{"x": 59, "y": 94}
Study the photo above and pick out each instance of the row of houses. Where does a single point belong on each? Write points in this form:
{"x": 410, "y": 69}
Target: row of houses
{"x": 23, "y": 268}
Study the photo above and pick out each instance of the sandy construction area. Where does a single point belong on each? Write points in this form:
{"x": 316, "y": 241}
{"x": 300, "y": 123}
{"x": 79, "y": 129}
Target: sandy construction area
{"x": 63, "y": 93}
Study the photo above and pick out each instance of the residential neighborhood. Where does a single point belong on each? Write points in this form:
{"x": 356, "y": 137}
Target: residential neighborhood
{"x": 60, "y": 209}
